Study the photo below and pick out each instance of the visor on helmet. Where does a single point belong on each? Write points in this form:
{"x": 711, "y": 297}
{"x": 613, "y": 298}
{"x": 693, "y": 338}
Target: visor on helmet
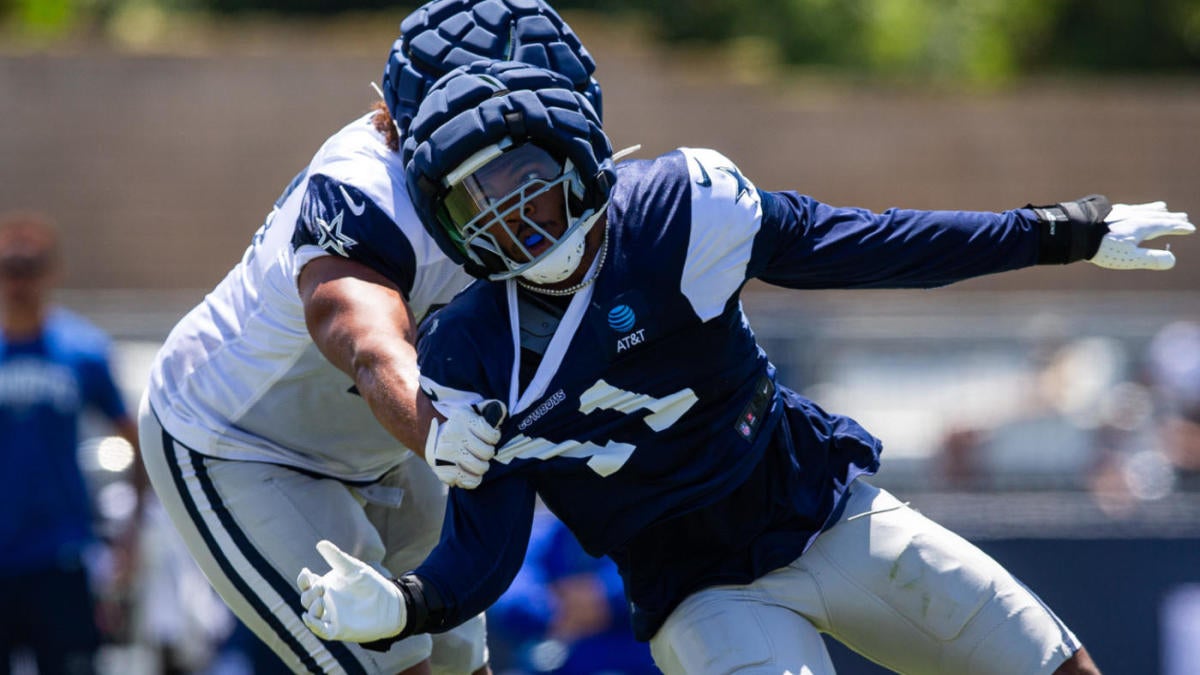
{"x": 492, "y": 202}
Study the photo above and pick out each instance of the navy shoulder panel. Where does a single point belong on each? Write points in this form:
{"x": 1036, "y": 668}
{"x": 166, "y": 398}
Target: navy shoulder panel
{"x": 650, "y": 188}
{"x": 341, "y": 219}
{"x": 651, "y": 201}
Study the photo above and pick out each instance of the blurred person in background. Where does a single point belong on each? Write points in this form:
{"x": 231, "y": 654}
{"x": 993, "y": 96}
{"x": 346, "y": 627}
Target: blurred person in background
{"x": 54, "y": 366}
{"x": 284, "y": 409}
{"x": 565, "y": 612}
{"x": 1173, "y": 360}
{"x": 1145, "y": 435}
{"x": 647, "y": 417}
{"x": 178, "y": 624}
{"x": 1061, "y": 399}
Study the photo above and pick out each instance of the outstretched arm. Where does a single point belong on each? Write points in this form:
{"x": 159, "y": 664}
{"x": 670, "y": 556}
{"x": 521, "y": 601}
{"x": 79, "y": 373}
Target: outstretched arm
{"x": 483, "y": 544}
{"x": 806, "y": 244}
{"x": 363, "y": 326}
{"x": 482, "y": 548}
{"x": 792, "y": 240}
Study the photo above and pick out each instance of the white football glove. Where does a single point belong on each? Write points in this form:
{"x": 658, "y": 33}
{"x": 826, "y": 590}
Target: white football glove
{"x": 1130, "y": 225}
{"x": 352, "y": 601}
{"x": 460, "y": 448}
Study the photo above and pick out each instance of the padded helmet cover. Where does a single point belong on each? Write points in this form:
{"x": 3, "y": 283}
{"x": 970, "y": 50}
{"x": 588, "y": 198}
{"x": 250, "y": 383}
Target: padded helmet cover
{"x": 490, "y": 103}
{"x": 445, "y": 34}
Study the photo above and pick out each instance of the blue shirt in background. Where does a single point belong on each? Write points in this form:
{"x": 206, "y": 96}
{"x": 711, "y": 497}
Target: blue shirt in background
{"x": 519, "y": 622}
{"x": 45, "y": 385}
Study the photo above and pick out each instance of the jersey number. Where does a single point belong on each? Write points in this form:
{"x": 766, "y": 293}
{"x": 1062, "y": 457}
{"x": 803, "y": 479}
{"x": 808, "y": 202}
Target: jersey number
{"x": 608, "y": 458}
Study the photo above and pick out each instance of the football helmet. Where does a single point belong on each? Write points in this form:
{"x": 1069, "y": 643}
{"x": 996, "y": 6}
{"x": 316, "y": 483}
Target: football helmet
{"x": 487, "y": 142}
{"x": 444, "y": 34}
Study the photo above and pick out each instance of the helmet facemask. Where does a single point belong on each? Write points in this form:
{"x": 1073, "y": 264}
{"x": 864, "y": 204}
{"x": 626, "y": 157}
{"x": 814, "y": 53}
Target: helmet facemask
{"x": 482, "y": 118}
{"x": 491, "y": 197}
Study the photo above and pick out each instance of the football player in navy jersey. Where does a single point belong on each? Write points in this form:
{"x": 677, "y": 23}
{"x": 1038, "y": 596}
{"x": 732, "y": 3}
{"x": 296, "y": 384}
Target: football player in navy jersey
{"x": 281, "y": 410}
{"x": 645, "y": 415}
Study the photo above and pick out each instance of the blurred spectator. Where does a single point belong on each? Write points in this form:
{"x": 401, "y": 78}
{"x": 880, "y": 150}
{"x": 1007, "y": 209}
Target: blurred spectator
{"x": 1052, "y": 430}
{"x": 1148, "y": 446}
{"x": 565, "y": 612}
{"x": 53, "y": 366}
{"x": 1084, "y": 422}
{"x": 1173, "y": 361}
{"x": 177, "y": 615}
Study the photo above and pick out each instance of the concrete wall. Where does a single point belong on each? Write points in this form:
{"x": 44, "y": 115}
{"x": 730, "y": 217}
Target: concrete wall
{"x": 160, "y": 167}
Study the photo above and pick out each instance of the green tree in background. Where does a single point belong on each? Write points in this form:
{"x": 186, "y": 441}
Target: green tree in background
{"x": 974, "y": 40}
{"x": 959, "y": 40}
{"x": 41, "y": 18}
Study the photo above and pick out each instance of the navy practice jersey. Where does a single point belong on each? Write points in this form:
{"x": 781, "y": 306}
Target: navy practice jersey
{"x": 653, "y": 426}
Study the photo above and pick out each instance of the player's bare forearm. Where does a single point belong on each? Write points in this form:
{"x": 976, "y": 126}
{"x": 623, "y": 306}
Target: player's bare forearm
{"x": 363, "y": 326}
{"x": 388, "y": 382}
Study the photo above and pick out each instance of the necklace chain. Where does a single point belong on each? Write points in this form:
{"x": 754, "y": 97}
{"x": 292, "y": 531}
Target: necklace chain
{"x": 577, "y": 287}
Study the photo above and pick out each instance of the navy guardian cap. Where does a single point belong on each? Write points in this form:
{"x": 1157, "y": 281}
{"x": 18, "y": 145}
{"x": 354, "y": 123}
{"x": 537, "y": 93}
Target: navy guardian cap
{"x": 487, "y": 140}
{"x": 445, "y": 34}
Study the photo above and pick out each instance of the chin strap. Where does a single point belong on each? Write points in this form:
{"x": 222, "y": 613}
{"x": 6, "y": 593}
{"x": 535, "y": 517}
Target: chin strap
{"x": 622, "y": 154}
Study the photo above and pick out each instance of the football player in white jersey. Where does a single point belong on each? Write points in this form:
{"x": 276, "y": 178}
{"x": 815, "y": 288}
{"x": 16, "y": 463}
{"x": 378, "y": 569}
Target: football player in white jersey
{"x": 647, "y": 417}
{"x": 281, "y": 411}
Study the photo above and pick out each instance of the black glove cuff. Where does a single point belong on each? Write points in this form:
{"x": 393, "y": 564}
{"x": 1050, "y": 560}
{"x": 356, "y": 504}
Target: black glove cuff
{"x": 425, "y": 612}
{"x": 1071, "y": 231}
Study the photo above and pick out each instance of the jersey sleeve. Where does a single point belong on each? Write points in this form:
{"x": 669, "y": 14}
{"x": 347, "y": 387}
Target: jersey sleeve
{"x": 726, "y": 215}
{"x": 339, "y": 219}
{"x": 806, "y": 244}
{"x": 524, "y": 610}
{"x": 484, "y": 537}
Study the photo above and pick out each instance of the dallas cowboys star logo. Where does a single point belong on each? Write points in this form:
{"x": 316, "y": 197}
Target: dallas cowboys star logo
{"x": 744, "y": 185}
{"x": 332, "y": 239}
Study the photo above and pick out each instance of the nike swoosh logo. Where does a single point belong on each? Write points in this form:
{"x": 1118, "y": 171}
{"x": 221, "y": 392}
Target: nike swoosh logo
{"x": 704, "y": 180}
{"x": 356, "y": 209}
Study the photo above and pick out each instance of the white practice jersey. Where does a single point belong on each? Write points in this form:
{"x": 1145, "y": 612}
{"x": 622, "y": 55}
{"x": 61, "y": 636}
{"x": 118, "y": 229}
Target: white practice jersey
{"x": 240, "y": 378}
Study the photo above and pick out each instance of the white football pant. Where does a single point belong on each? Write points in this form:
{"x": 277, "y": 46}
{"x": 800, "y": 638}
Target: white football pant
{"x": 253, "y": 526}
{"x": 885, "y": 581}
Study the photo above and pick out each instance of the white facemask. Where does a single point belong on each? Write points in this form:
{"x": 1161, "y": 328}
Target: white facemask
{"x": 559, "y": 264}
